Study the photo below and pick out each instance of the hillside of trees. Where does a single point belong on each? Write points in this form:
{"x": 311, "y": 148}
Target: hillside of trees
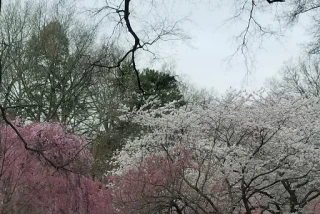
{"x": 83, "y": 131}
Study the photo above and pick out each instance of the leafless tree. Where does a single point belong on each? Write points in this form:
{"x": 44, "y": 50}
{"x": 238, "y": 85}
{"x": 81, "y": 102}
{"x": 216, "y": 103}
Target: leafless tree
{"x": 129, "y": 25}
{"x": 298, "y": 79}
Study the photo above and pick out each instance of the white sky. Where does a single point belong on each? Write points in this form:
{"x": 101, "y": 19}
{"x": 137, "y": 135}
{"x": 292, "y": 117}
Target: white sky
{"x": 204, "y": 64}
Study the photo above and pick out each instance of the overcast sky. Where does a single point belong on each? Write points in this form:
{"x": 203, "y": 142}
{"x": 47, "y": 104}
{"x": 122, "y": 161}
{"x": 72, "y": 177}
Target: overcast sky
{"x": 204, "y": 64}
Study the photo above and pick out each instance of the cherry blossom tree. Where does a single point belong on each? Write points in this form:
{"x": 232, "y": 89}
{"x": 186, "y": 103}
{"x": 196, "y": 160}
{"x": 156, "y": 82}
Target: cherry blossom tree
{"x": 243, "y": 153}
{"x": 29, "y": 183}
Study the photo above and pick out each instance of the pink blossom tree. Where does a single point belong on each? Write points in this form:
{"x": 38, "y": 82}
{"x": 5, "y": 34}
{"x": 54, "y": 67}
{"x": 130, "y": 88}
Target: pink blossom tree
{"x": 51, "y": 174}
{"x": 159, "y": 185}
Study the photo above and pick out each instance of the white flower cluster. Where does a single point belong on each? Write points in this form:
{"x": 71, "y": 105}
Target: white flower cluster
{"x": 263, "y": 150}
